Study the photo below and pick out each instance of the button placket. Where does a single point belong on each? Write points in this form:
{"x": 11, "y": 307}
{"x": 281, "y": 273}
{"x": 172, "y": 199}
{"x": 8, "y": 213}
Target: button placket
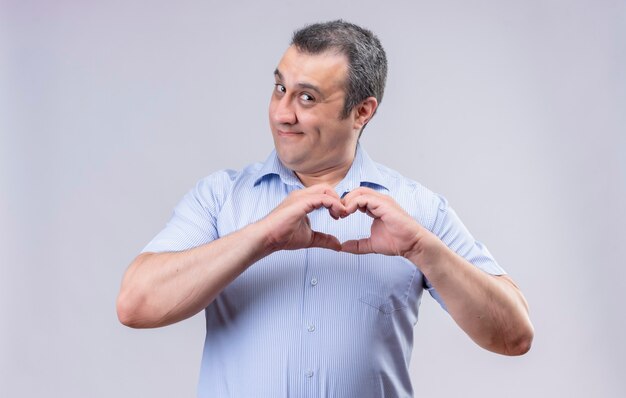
{"x": 309, "y": 318}
{"x": 312, "y": 309}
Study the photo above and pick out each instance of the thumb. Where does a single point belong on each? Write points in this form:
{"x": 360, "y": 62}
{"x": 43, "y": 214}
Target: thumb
{"x": 357, "y": 246}
{"x": 325, "y": 241}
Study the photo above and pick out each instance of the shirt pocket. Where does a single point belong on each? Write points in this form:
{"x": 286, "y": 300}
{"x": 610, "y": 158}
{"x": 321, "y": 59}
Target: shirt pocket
{"x": 386, "y": 281}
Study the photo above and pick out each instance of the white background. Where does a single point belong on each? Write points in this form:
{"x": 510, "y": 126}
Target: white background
{"x": 109, "y": 113}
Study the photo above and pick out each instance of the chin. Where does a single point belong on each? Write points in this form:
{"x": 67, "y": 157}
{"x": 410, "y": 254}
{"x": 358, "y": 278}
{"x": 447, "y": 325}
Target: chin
{"x": 291, "y": 160}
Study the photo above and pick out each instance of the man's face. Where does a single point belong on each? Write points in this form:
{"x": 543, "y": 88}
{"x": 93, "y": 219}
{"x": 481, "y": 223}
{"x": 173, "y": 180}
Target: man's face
{"x": 309, "y": 134}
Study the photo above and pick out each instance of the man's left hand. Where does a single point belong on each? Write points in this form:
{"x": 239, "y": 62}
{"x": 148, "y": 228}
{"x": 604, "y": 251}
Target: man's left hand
{"x": 394, "y": 232}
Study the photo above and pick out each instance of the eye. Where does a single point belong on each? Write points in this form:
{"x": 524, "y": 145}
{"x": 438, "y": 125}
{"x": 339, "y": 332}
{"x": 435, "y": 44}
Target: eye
{"x": 306, "y": 97}
{"x": 279, "y": 88}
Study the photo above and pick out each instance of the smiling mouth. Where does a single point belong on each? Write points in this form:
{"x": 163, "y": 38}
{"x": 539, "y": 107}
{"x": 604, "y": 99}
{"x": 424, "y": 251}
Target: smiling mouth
{"x": 289, "y": 133}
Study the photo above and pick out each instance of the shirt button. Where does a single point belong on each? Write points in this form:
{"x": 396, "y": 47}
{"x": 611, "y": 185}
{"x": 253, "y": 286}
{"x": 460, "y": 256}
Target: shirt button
{"x": 314, "y": 281}
{"x": 309, "y": 373}
{"x": 311, "y": 328}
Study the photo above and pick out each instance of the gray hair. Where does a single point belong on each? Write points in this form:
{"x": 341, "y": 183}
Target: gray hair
{"x": 367, "y": 62}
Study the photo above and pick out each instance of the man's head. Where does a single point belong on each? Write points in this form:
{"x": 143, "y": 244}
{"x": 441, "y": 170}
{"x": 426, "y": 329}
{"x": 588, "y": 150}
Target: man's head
{"x": 367, "y": 62}
{"x": 327, "y": 87}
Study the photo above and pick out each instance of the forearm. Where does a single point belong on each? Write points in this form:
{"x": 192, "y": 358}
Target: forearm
{"x": 159, "y": 289}
{"x": 163, "y": 288}
{"x": 490, "y": 309}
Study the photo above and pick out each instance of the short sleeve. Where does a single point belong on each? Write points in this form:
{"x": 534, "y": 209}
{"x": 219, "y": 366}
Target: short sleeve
{"x": 451, "y": 230}
{"x": 193, "y": 221}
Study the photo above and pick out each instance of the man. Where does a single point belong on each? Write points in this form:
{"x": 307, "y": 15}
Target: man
{"x": 290, "y": 309}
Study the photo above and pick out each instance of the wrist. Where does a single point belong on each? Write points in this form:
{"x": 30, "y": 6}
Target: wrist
{"x": 426, "y": 250}
{"x": 259, "y": 233}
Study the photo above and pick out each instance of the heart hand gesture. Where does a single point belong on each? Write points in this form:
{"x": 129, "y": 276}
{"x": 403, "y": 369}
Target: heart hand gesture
{"x": 393, "y": 231}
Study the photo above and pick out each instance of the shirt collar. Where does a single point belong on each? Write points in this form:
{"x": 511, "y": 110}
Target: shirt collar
{"x": 274, "y": 167}
{"x": 363, "y": 172}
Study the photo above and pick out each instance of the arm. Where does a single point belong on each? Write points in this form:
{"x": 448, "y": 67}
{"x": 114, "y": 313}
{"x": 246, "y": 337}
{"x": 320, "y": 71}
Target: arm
{"x": 490, "y": 309}
{"x": 159, "y": 289}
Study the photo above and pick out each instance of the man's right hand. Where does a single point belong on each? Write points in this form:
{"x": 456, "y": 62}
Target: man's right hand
{"x": 288, "y": 227}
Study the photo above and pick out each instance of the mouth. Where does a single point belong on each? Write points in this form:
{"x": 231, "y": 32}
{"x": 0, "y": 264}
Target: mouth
{"x": 283, "y": 133}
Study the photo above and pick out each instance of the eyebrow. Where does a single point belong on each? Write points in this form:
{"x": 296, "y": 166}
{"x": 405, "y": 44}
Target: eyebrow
{"x": 304, "y": 85}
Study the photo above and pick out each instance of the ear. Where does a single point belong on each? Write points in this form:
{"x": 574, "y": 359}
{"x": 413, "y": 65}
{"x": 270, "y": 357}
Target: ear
{"x": 364, "y": 112}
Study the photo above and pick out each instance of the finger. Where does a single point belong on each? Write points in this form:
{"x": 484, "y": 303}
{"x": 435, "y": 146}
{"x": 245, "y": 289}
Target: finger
{"x": 357, "y": 246}
{"x": 363, "y": 199}
{"x": 365, "y": 202}
{"x": 321, "y": 188}
{"x": 334, "y": 205}
{"x": 336, "y": 208}
{"x": 357, "y": 192}
{"x": 330, "y": 191}
{"x": 325, "y": 241}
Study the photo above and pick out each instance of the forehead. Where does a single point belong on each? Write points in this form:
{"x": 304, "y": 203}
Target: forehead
{"x": 326, "y": 69}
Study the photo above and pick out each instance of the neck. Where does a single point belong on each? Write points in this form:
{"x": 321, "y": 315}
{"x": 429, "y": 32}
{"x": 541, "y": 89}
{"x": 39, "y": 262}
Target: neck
{"x": 331, "y": 176}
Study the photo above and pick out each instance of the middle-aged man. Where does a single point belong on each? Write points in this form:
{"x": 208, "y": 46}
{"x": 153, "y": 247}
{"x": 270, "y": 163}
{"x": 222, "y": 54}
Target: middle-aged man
{"x": 291, "y": 311}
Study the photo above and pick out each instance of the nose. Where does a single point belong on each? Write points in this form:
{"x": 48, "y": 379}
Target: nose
{"x": 284, "y": 112}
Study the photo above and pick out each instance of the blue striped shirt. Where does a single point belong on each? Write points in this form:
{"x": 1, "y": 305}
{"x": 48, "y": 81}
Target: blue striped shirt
{"x": 312, "y": 322}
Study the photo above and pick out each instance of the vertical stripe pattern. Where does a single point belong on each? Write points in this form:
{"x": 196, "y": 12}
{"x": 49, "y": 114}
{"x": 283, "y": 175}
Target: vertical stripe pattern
{"x": 312, "y": 322}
